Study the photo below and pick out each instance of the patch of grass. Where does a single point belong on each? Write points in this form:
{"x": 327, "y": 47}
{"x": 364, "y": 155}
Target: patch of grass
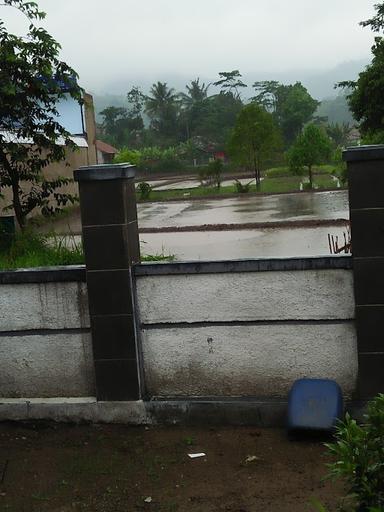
{"x": 158, "y": 257}
{"x": 189, "y": 441}
{"x": 31, "y": 249}
{"x": 277, "y": 185}
{"x": 284, "y": 171}
{"x": 162, "y": 195}
{"x": 270, "y": 185}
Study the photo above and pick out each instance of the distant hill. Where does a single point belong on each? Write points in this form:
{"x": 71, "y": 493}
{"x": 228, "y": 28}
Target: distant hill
{"x": 102, "y": 101}
{"x": 320, "y": 84}
{"x": 336, "y": 110}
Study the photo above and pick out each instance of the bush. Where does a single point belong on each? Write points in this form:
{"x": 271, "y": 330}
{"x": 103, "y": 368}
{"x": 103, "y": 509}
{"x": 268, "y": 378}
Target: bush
{"x": 32, "y": 249}
{"x": 145, "y": 190}
{"x": 243, "y": 189}
{"x": 359, "y": 453}
{"x": 132, "y": 156}
{"x": 211, "y": 175}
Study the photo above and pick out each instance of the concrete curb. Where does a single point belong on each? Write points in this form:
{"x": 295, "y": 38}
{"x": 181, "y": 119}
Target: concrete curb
{"x": 246, "y": 412}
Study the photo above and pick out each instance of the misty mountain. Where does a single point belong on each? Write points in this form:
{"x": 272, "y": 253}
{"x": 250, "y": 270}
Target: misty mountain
{"x": 320, "y": 84}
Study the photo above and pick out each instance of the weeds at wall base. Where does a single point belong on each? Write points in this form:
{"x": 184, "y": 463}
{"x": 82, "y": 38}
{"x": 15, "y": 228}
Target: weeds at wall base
{"x": 31, "y": 249}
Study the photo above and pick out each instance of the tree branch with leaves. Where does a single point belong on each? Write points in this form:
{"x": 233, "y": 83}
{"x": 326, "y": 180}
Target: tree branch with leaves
{"x": 32, "y": 81}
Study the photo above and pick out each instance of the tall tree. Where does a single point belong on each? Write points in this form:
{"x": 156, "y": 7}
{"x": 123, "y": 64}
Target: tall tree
{"x": 312, "y": 147}
{"x": 255, "y": 138}
{"x": 136, "y": 102}
{"x": 162, "y": 108}
{"x": 219, "y": 118}
{"x": 366, "y": 94}
{"x": 230, "y": 82}
{"x": 291, "y": 105}
{"x": 32, "y": 80}
{"x": 111, "y": 115}
{"x": 338, "y": 133}
{"x": 193, "y": 105}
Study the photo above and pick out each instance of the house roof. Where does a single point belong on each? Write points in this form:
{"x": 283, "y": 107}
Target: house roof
{"x": 80, "y": 141}
{"x": 105, "y": 148}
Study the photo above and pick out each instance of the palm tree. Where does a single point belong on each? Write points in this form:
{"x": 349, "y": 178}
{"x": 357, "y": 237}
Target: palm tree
{"x": 162, "y": 108}
{"x": 192, "y": 104}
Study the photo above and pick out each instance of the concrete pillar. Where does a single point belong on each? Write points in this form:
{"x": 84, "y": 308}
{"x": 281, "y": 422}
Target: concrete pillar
{"x": 111, "y": 246}
{"x": 366, "y": 203}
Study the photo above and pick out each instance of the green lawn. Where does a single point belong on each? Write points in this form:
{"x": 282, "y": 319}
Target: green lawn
{"x": 270, "y": 185}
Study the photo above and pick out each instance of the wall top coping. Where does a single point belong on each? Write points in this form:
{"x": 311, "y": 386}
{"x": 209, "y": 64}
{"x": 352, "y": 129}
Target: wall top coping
{"x": 102, "y": 172}
{"x": 254, "y": 265}
{"x": 78, "y": 272}
{"x": 43, "y": 275}
{"x": 359, "y": 153}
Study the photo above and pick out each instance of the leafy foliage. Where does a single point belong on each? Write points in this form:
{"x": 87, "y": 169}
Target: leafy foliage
{"x": 291, "y": 105}
{"x": 31, "y": 249}
{"x": 32, "y": 80}
{"x": 211, "y": 175}
{"x": 312, "y": 147}
{"x": 125, "y": 125}
{"x": 365, "y": 97}
{"x": 161, "y": 107}
{"x": 359, "y": 454}
{"x": 230, "y": 81}
{"x": 338, "y": 133}
{"x": 144, "y": 190}
{"x": 243, "y": 188}
{"x": 254, "y": 138}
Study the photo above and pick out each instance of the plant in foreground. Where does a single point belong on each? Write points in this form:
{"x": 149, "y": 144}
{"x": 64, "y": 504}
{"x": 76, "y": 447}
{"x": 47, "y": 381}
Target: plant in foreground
{"x": 359, "y": 458}
{"x": 31, "y": 249}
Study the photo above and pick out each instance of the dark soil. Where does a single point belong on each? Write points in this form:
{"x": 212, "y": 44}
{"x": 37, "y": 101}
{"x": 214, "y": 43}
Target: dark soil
{"x": 59, "y": 468}
{"x": 286, "y": 224}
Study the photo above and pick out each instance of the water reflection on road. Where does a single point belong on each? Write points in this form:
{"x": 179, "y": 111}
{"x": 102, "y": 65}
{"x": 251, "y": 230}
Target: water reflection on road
{"x": 226, "y": 245}
{"x": 261, "y": 243}
{"x": 298, "y": 206}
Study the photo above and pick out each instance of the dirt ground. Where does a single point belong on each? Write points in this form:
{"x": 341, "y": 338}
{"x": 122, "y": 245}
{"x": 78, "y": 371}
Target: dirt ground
{"x": 61, "y": 468}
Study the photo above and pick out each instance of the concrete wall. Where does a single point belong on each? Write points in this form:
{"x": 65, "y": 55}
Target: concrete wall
{"x": 217, "y": 329}
{"x": 239, "y": 331}
{"x": 45, "y": 344}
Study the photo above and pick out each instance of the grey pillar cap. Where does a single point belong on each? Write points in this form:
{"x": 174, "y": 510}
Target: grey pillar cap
{"x": 103, "y": 172}
{"x": 359, "y": 153}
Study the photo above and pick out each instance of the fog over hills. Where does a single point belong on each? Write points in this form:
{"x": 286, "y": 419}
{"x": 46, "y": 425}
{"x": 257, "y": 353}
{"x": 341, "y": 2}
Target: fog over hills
{"x": 320, "y": 84}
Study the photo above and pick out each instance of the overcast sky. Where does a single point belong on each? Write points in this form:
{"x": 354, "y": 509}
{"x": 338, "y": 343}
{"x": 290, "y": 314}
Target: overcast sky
{"x": 110, "y": 40}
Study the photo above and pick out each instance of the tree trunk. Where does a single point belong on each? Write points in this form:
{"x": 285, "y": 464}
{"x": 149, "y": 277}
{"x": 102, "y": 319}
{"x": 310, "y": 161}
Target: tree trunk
{"x": 21, "y": 220}
{"x": 15, "y": 185}
{"x": 257, "y": 172}
{"x": 310, "y": 176}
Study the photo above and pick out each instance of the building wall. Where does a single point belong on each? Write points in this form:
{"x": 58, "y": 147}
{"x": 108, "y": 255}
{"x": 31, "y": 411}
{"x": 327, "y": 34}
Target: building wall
{"x": 246, "y": 333}
{"x": 45, "y": 343}
{"x": 74, "y": 159}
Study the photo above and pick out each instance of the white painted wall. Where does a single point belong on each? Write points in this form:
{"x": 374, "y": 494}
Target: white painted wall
{"x": 310, "y": 294}
{"x": 43, "y": 306}
{"x": 43, "y": 351}
{"x": 59, "y": 365}
{"x": 302, "y": 328}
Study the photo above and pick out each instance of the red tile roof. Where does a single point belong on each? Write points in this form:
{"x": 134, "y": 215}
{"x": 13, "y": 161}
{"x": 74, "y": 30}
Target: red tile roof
{"x": 105, "y": 148}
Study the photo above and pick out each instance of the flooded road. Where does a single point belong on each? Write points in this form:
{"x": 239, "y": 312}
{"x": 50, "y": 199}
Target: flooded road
{"x": 256, "y": 243}
{"x": 260, "y": 243}
{"x": 238, "y": 210}
{"x": 227, "y": 245}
